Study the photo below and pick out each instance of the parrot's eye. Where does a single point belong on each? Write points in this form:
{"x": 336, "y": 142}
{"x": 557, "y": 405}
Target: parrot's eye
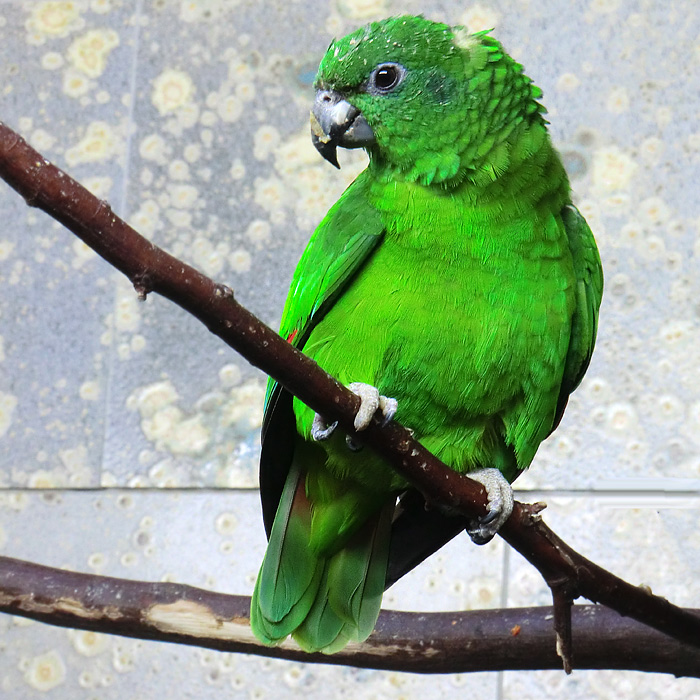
{"x": 386, "y": 77}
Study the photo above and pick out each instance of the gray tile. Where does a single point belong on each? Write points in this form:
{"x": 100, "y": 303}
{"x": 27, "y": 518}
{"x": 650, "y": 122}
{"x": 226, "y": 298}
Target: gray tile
{"x": 66, "y": 89}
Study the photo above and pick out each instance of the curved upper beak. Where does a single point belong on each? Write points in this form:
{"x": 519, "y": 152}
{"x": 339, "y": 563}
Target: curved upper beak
{"x": 335, "y": 122}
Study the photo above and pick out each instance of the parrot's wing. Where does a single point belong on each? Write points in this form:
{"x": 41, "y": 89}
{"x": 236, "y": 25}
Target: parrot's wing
{"x": 339, "y": 247}
{"x": 588, "y": 293}
{"x": 418, "y": 532}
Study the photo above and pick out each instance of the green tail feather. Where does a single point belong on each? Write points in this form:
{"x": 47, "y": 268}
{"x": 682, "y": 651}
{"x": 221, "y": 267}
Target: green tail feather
{"x": 273, "y": 631}
{"x": 290, "y": 573}
{"x": 356, "y": 575}
{"x": 322, "y": 630}
{"x": 324, "y": 602}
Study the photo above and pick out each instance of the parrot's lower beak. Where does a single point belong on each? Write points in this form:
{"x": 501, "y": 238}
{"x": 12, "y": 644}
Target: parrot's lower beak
{"x": 335, "y": 122}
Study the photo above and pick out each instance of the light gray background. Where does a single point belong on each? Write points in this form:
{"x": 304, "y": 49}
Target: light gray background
{"x": 191, "y": 118}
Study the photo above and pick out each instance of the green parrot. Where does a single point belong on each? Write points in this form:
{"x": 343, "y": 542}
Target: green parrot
{"x": 453, "y": 286}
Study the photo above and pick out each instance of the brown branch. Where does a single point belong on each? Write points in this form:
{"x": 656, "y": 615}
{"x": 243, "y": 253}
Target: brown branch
{"x": 484, "y": 640}
{"x": 563, "y": 603}
{"x": 152, "y": 269}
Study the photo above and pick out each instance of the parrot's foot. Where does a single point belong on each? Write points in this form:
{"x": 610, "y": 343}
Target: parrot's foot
{"x": 500, "y": 503}
{"x": 370, "y": 401}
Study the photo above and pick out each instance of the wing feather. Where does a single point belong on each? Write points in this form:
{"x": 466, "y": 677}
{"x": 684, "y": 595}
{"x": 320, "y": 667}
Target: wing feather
{"x": 589, "y": 292}
{"x": 338, "y": 249}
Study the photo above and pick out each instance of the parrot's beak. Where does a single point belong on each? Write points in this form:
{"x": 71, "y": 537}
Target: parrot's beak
{"x": 335, "y": 122}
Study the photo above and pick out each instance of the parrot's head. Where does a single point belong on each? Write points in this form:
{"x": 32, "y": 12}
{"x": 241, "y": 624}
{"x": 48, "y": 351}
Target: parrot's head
{"x": 429, "y": 102}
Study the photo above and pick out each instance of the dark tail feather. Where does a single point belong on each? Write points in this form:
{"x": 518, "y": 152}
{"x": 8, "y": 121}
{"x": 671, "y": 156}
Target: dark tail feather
{"x": 416, "y": 534}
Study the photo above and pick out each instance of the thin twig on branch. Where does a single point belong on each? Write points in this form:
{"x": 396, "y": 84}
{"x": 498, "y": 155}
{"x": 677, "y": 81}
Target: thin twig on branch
{"x": 151, "y": 269}
{"x": 483, "y": 640}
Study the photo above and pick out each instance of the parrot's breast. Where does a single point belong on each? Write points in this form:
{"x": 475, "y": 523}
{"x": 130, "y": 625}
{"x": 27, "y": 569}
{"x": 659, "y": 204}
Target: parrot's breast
{"x": 464, "y": 316}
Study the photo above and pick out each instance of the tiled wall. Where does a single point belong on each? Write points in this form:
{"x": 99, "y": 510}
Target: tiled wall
{"x": 191, "y": 118}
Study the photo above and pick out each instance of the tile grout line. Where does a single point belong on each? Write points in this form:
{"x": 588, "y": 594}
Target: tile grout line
{"x": 137, "y": 13}
{"x": 501, "y": 677}
{"x": 534, "y": 494}
{"x": 528, "y": 496}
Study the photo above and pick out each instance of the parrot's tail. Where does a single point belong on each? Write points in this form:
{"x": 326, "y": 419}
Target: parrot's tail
{"x": 323, "y": 602}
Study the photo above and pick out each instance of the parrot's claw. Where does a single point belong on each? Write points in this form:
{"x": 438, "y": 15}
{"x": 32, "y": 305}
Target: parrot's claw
{"x": 500, "y": 503}
{"x": 388, "y": 407}
{"x": 320, "y": 430}
{"x": 370, "y": 401}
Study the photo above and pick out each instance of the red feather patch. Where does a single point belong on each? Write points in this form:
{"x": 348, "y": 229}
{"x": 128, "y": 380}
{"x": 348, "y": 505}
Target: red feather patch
{"x": 292, "y": 335}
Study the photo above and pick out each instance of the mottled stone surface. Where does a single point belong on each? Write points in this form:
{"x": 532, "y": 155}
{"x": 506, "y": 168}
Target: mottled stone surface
{"x": 191, "y": 119}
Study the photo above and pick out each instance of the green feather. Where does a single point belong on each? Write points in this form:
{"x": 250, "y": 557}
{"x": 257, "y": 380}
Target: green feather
{"x": 290, "y": 574}
{"x": 339, "y": 247}
{"x": 350, "y": 593}
{"x": 322, "y": 630}
{"x": 356, "y": 575}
